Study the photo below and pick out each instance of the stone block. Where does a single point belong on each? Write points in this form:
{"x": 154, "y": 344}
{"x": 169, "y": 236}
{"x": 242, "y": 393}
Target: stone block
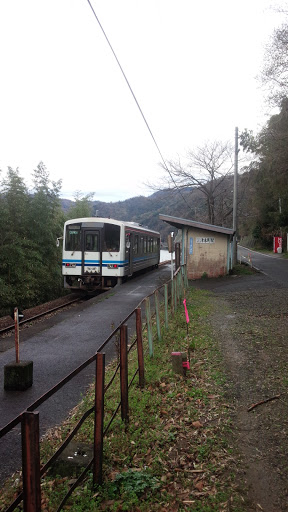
{"x": 18, "y": 376}
{"x": 177, "y": 362}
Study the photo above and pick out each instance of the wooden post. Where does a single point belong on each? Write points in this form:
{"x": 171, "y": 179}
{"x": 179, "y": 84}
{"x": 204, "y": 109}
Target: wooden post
{"x": 166, "y": 304}
{"x": 157, "y": 314}
{"x": 99, "y": 418}
{"x": 140, "y": 348}
{"x": 177, "y": 255}
{"x": 124, "y": 373}
{"x": 31, "y": 462}
{"x": 149, "y": 326}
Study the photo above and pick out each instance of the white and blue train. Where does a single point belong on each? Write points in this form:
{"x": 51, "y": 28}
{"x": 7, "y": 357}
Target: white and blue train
{"x": 98, "y": 252}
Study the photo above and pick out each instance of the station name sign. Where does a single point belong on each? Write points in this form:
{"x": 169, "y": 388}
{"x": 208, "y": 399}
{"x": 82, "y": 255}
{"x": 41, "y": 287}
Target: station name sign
{"x": 205, "y": 240}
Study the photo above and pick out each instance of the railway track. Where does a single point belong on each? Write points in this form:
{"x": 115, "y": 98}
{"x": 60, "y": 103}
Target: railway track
{"x": 38, "y": 312}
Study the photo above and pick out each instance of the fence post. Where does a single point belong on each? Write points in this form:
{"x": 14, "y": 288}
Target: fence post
{"x": 172, "y": 297}
{"x": 178, "y": 289}
{"x": 175, "y": 293}
{"x": 149, "y": 326}
{"x": 140, "y": 347}
{"x": 124, "y": 373}
{"x": 180, "y": 286}
{"x": 183, "y": 273}
{"x": 157, "y": 314}
{"x": 31, "y": 461}
{"x": 166, "y": 304}
{"x": 99, "y": 416}
{"x": 186, "y": 277}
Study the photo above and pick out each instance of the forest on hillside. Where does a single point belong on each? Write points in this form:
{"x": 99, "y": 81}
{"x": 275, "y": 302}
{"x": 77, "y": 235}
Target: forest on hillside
{"x": 199, "y": 188}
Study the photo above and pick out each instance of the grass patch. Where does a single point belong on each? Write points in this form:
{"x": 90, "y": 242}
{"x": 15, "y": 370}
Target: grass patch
{"x": 175, "y": 453}
{"x": 242, "y": 269}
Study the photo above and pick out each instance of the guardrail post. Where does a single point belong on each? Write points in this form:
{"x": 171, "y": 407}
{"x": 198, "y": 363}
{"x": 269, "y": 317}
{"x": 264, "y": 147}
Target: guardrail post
{"x": 186, "y": 277}
{"x": 140, "y": 348}
{"x": 172, "y": 296}
{"x": 166, "y": 304}
{"x": 31, "y": 462}
{"x": 178, "y": 288}
{"x": 157, "y": 314}
{"x": 180, "y": 285}
{"x": 124, "y": 373}
{"x": 149, "y": 326}
{"x": 99, "y": 416}
{"x": 175, "y": 293}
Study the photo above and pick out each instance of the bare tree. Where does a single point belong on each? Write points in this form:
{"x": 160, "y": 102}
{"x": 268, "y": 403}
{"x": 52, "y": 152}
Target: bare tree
{"x": 274, "y": 74}
{"x": 206, "y": 168}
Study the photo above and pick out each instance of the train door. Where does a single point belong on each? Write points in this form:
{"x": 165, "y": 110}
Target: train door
{"x": 128, "y": 252}
{"x": 91, "y": 253}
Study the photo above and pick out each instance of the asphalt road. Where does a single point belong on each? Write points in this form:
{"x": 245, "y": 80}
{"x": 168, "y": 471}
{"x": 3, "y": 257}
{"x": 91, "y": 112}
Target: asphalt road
{"x": 59, "y": 345}
{"x": 273, "y": 266}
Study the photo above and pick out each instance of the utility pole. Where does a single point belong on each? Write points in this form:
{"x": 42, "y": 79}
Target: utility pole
{"x": 235, "y": 198}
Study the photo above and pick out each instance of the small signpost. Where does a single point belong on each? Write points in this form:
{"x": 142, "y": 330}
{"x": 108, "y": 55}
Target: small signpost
{"x": 18, "y": 375}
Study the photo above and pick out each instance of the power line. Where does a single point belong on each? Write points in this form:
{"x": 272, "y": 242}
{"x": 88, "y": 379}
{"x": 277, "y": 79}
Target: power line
{"x": 136, "y": 101}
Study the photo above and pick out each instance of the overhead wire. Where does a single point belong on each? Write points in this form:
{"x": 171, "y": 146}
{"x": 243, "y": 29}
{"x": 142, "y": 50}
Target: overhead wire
{"x": 137, "y": 103}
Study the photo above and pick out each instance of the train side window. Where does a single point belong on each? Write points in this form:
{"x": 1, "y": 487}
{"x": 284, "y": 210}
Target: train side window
{"x": 111, "y": 238}
{"x": 92, "y": 242}
{"x": 73, "y": 238}
{"x": 145, "y": 244}
{"x": 136, "y": 244}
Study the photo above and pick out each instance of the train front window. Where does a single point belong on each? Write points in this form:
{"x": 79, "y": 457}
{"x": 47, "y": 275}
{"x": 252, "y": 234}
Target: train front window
{"x": 73, "y": 238}
{"x": 111, "y": 238}
{"x": 92, "y": 242}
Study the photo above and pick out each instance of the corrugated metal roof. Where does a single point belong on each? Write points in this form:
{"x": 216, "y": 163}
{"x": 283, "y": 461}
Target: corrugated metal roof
{"x": 179, "y": 223}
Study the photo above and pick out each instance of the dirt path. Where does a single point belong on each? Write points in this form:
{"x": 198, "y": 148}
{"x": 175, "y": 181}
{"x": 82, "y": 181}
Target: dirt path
{"x": 250, "y": 321}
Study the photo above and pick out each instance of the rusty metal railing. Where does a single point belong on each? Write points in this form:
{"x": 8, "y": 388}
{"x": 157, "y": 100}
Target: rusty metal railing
{"x": 29, "y": 419}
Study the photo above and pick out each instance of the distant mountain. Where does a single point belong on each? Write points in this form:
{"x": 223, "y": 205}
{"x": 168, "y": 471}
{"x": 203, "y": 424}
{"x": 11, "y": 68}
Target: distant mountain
{"x": 189, "y": 204}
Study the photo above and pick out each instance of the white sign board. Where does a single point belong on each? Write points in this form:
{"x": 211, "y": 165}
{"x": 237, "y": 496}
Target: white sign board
{"x": 205, "y": 240}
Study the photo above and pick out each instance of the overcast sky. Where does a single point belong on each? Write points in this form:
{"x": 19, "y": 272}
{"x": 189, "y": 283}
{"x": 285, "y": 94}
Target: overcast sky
{"x": 192, "y": 66}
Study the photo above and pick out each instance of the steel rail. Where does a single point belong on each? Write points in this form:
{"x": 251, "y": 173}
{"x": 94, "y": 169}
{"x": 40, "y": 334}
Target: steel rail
{"x": 39, "y": 315}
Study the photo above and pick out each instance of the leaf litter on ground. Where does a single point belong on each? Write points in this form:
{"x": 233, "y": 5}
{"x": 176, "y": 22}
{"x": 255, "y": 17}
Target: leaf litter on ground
{"x": 176, "y": 453}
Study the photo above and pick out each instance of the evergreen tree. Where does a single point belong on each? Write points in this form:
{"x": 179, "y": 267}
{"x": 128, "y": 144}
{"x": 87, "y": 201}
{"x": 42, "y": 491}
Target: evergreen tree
{"x": 269, "y": 173}
{"x": 46, "y": 224}
{"x": 30, "y": 263}
{"x": 19, "y": 258}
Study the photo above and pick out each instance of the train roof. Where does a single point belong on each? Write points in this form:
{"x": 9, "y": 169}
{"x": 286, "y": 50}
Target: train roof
{"x": 110, "y": 221}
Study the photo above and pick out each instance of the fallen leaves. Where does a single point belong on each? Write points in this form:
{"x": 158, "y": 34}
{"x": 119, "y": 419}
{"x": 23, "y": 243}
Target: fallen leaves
{"x": 197, "y": 424}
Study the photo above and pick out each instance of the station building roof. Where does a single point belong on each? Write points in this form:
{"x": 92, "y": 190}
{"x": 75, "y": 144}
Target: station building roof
{"x": 179, "y": 223}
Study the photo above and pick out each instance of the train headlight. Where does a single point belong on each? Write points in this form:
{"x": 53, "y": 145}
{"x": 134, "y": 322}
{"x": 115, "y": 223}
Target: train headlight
{"x": 112, "y": 265}
{"x": 70, "y": 265}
